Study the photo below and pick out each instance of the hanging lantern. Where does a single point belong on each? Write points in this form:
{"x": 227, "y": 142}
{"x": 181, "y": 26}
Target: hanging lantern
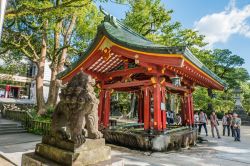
{"x": 176, "y": 81}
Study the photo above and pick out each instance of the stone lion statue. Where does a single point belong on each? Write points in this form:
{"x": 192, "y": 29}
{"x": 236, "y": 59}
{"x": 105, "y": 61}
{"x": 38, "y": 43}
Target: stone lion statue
{"x": 76, "y": 115}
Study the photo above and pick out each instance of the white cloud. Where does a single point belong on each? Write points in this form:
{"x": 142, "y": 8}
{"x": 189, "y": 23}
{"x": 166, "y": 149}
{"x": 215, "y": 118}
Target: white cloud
{"x": 218, "y": 27}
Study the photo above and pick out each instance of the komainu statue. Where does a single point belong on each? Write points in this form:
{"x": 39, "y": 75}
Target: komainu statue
{"x": 77, "y": 107}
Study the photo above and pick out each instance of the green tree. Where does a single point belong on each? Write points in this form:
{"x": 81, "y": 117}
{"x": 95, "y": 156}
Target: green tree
{"x": 152, "y": 20}
{"x": 49, "y": 30}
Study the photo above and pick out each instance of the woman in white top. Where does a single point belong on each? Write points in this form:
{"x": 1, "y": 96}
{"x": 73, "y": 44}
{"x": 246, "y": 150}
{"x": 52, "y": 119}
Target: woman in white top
{"x": 196, "y": 119}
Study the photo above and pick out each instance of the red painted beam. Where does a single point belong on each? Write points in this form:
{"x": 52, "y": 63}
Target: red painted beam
{"x": 170, "y": 85}
{"x": 125, "y": 72}
{"x": 159, "y": 60}
{"x": 126, "y": 84}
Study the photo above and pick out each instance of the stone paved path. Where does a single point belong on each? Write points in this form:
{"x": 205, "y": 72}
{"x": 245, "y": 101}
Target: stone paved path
{"x": 3, "y": 162}
{"x": 12, "y": 146}
{"x": 217, "y": 152}
{"x": 223, "y": 152}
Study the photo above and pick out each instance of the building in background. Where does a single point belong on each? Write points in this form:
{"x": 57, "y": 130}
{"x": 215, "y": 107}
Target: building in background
{"x": 46, "y": 81}
{"x": 23, "y": 85}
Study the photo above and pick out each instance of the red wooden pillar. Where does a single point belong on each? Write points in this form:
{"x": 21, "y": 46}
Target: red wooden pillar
{"x": 157, "y": 107}
{"x": 183, "y": 111}
{"x": 188, "y": 109}
{"x": 100, "y": 106}
{"x": 146, "y": 109}
{"x": 163, "y": 111}
{"x": 140, "y": 107}
{"x": 192, "y": 108}
{"x": 106, "y": 109}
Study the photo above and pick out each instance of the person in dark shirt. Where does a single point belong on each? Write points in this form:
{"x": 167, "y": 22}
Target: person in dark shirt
{"x": 203, "y": 122}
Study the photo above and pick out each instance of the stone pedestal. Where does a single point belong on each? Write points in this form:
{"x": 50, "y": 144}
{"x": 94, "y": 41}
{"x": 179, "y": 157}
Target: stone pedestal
{"x": 54, "y": 152}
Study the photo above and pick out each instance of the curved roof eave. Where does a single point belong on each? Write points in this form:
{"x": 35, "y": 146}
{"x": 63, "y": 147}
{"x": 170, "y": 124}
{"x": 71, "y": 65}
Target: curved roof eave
{"x": 121, "y": 35}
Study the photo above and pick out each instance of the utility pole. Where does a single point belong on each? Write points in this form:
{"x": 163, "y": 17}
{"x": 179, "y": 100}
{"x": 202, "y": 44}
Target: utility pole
{"x": 2, "y": 12}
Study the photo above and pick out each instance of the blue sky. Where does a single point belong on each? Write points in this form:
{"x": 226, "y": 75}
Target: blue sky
{"x": 226, "y": 23}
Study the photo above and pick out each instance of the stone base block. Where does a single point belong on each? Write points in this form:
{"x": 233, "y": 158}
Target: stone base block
{"x": 91, "y": 152}
{"x": 112, "y": 162}
{"x": 36, "y": 160}
{"x": 33, "y": 159}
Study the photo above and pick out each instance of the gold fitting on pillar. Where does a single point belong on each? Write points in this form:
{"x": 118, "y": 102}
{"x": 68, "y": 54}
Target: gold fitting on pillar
{"x": 150, "y": 68}
{"x": 163, "y": 70}
{"x": 153, "y": 80}
{"x": 163, "y": 80}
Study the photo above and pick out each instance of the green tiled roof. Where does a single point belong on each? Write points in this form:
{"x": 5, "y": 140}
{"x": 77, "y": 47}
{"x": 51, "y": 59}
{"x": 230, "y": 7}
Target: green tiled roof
{"x": 124, "y": 36}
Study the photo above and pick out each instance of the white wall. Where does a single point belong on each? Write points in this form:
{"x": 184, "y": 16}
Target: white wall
{"x": 46, "y": 82}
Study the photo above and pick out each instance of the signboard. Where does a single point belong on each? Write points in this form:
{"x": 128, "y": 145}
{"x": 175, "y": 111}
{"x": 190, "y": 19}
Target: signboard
{"x": 15, "y": 78}
{"x": 163, "y": 106}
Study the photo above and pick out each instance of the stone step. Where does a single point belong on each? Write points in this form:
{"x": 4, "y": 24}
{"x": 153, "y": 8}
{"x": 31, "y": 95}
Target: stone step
{"x": 8, "y": 124}
{"x": 10, "y": 128}
{"x": 13, "y": 131}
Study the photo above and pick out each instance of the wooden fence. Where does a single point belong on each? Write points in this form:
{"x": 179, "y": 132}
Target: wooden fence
{"x": 28, "y": 121}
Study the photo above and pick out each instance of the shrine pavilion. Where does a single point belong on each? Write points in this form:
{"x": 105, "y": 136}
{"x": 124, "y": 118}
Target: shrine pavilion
{"x": 121, "y": 60}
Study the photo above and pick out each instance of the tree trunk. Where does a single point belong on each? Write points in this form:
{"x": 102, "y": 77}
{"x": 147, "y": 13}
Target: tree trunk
{"x": 40, "y": 75}
{"x": 132, "y": 106}
{"x": 53, "y": 88}
{"x": 39, "y": 89}
{"x": 54, "y": 82}
{"x": 210, "y": 94}
{"x": 58, "y": 62}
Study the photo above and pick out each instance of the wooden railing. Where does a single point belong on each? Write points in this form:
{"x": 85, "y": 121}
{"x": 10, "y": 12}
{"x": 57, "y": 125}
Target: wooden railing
{"x": 28, "y": 121}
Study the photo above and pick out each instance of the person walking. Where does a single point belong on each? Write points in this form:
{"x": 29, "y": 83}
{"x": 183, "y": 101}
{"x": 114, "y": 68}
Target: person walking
{"x": 231, "y": 124}
{"x": 236, "y": 126}
{"x": 178, "y": 119}
{"x": 168, "y": 116}
{"x": 171, "y": 117}
{"x": 203, "y": 122}
{"x": 196, "y": 120}
{"x": 214, "y": 124}
{"x": 225, "y": 124}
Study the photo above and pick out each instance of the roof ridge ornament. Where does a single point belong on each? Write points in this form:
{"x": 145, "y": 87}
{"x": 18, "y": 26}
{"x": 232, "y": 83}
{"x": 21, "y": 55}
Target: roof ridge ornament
{"x": 108, "y": 17}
